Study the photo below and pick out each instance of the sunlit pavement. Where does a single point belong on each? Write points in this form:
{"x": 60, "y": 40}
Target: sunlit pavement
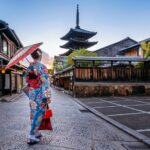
{"x": 73, "y": 128}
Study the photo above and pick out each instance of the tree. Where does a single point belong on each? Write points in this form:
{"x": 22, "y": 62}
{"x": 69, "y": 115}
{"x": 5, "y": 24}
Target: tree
{"x": 58, "y": 66}
{"x": 146, "y": 47}
{"x": 81, "y": 52}
{"x": 147, "y": 54}
{"x": 51, "y": 71}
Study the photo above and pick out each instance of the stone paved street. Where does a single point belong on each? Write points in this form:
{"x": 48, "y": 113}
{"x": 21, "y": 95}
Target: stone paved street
{"x": 73, "y": 128}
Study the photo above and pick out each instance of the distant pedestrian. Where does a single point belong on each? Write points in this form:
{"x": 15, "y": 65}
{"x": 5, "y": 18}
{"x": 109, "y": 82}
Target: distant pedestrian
{"x": 38, "y": 93}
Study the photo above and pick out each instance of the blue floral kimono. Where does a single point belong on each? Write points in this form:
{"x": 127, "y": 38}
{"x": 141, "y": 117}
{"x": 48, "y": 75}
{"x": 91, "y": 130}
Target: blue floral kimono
{"x": 39, "y": 93}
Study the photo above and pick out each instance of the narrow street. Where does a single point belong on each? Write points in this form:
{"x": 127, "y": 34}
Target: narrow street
{"x": 73, "y": 128}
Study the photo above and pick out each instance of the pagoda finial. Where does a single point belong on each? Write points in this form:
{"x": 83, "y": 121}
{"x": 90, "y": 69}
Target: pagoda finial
{"x": 77, "y": 17}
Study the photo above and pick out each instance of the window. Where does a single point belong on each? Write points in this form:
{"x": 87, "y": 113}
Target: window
{"x": 13, "y": 49}
{"x": 5, "y": 47}
{"x": 9, "y": 50}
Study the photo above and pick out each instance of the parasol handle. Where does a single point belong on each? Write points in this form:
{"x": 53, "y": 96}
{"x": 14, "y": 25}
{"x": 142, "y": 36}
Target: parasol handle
{"x": 27, "y": 60}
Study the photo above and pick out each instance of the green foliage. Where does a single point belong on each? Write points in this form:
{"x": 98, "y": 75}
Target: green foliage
{"x": 51, "y": 71}
{"x": 57, "y": 66}
{"x": 97, "y": 63}
{"x": 146, "y": 47}
{"x": 139, "y": 65}
{"x": 81, "y": 52}
{"x": 147, "y": 54}
{"x": 84, "y": 64}
{"x": 90, "y": 64}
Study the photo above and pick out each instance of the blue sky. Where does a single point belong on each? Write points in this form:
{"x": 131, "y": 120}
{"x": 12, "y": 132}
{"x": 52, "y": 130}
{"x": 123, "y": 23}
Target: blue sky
{"x": 48, "y": 20}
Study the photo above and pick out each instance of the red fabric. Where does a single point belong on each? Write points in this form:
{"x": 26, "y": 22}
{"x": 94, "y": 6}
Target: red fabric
{"x": 21, "y": 54}
{"x": 46, "y": 124}
{"x": 48, "y": 114}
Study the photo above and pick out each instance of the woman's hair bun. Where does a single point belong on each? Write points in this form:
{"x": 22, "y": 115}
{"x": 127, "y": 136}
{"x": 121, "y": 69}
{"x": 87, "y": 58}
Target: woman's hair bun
{"x": 36, "y": 54}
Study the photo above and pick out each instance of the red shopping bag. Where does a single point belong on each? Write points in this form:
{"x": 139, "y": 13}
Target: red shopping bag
{"x": 48, "y": 114}
{"x": 46, "y": 122}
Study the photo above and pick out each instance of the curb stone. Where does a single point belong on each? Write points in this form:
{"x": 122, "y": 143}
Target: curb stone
{"x": 11, "y": 98}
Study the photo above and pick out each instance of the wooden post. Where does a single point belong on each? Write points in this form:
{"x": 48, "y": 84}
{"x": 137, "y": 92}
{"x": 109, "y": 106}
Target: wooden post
{"x": 3, "y": 83}
{"x": 93, "y": 63}
{"x": 111, "y": 69}
{"x": 10, "y": 84}
{"x": 74, "y": 71}
{"x": 74, "y": 78}
{"x": 130, "y": 71}
{"x": 145, "y": 72}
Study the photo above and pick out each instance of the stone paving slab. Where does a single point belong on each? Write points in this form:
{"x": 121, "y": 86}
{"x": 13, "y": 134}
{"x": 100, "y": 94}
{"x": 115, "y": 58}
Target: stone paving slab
{"x": 22, "y": 146}
{"x": 147, "y": 133}
{"x": 115, "y": 110}
{"x": 107, "y": 135}
{"x": 140, "y": 98}
{"x": 137, "y": 122}
{"x": 128, "y": 102}
{"x": 135, "y": 97}
{"x": 108, "y": 145}
{"x": 90, "y": 100}
{"x": 146, "y": 101}
{"x": 71, "y": 142}
{"x": 112, "y": 98}
{"x": 134, "y": 146}
{"x": 143, "y": 107}
{"x": 101, "y": 104}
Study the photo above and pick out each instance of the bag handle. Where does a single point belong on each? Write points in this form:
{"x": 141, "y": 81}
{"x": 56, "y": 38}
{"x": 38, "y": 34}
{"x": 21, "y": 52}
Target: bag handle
{"x": 47, "y": 106}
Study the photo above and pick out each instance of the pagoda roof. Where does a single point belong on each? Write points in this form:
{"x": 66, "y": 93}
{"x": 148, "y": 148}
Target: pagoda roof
{"x": 67, "y": 53}
{"x": 76, "y": 44}
{"x": 77, "y": 33}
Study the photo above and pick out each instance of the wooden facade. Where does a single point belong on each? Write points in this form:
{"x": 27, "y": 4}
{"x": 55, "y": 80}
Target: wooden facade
{"x": 114, "y": 49}
{"x": 64, "y": 79}
{"x": 12, "y": 80}
{"x": 134, "y": 50}
{"x": 118, "y": 74}
{"x": 70, "y": 77}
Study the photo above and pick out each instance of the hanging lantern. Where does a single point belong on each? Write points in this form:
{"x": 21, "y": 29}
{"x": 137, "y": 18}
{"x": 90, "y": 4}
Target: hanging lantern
{"x": 3, "y": 71}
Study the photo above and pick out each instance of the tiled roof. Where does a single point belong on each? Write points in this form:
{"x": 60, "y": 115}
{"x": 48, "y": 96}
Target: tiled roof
{"x": 78, "y": 32}
{"x": 128, "y": 38}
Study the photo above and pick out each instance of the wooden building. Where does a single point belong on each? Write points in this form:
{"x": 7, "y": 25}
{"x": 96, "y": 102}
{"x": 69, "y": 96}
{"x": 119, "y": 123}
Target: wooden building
{"x": 92, "y": 79}
{"x": 12, "y": 80}
{"x": 134, "y": 50}
{"x": 113, "y": 49}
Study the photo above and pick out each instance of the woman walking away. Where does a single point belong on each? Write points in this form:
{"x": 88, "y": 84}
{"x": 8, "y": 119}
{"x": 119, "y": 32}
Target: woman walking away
{"x": 39, "y": 94}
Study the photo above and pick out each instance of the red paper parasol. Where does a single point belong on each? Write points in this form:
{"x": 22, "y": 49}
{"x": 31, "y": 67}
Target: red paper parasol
{"x": 21, "y": 54}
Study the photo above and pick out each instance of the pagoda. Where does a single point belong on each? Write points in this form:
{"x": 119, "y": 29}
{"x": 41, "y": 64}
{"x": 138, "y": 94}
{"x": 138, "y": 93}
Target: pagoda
{"x": 77, "y": 38}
